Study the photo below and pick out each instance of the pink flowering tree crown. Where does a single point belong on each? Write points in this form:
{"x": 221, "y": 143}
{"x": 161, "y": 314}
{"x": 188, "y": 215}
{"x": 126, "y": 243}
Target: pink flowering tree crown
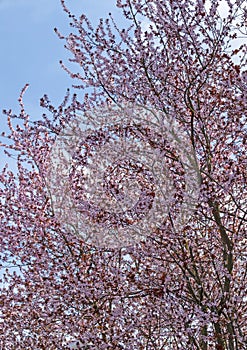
{"x": 124, "y": 226}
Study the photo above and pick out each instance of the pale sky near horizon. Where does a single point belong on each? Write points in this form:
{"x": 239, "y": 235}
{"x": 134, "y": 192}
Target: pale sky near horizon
{"x": 30, "y": 50}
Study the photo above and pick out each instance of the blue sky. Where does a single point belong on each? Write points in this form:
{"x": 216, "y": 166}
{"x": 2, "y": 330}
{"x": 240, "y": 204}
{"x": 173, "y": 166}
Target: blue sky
{"x": 30, "y": 50}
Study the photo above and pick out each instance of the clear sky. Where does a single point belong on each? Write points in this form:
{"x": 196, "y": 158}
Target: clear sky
{"x": 30, "y": 50}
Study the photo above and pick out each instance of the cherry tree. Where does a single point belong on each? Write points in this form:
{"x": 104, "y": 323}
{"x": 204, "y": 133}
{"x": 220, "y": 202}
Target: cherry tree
{"x": 150, "y": 252}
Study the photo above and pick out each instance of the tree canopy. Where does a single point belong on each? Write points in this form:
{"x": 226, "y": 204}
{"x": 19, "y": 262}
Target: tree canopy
{"x": 156, "y": 161}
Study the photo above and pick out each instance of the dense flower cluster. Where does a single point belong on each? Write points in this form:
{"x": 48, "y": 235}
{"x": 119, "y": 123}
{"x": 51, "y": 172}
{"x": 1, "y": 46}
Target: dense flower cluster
{"x": 177, "y": 286}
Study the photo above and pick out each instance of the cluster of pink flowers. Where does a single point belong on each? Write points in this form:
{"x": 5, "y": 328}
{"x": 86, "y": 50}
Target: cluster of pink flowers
{"x": 176, "y": 286}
